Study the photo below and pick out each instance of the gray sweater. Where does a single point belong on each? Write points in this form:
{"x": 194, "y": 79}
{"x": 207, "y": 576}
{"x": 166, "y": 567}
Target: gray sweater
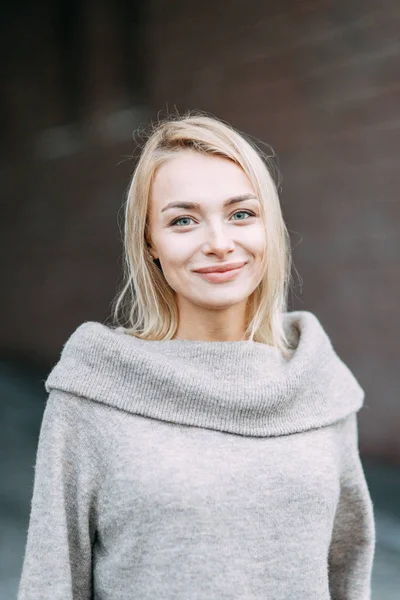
{"x": 195, "y": 470}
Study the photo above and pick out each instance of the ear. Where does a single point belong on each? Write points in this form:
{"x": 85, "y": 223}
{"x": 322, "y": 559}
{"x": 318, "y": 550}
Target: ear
{"x": 152, "y": 251}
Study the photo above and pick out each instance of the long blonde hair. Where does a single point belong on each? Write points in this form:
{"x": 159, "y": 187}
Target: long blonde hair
{"x": 146, "y": 301}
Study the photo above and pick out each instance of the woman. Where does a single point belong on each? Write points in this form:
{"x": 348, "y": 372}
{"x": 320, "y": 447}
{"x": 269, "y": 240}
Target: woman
{"x": 208, "y": 448}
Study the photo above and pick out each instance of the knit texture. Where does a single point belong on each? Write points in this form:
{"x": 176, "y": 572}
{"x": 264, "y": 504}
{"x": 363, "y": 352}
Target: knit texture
{"x": 194, "y": 470}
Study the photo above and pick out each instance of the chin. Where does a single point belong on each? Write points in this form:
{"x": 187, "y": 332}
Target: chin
{"x": 220, "y": 299}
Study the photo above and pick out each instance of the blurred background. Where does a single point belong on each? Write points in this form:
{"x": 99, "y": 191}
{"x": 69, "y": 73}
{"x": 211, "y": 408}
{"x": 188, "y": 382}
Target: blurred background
{"x": 319, "y": 81}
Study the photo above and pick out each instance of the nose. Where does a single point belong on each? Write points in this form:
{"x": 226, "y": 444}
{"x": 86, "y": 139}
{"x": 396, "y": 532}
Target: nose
{"x": 218, "y": 242}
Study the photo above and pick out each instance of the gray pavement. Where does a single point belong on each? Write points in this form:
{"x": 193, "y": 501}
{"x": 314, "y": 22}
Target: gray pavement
{"x": 22, "y": 400}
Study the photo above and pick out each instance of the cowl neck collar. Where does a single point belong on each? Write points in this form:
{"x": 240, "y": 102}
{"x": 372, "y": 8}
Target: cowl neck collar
{"x": 245, "y": 388}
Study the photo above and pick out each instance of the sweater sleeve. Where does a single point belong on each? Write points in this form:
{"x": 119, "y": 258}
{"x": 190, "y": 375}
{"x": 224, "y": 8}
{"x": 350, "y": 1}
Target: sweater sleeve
{"x": 57, "y": 563}
{"x": 353, "y": 538}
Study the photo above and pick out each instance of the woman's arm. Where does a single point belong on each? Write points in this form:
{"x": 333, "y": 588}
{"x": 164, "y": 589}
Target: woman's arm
{"x": 353, "y": 538}
{"x": 58, "y": 554}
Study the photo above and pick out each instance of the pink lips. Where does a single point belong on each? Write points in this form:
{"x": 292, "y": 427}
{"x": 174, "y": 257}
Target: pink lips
{"x": 221, "y": 276}
{"x": 221, "y": 268}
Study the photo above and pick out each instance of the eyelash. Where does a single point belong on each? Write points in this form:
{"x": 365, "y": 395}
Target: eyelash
{"x": 249, "y": 212}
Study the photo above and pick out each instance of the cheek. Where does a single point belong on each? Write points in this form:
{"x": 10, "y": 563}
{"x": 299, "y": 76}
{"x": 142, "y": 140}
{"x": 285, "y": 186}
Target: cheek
{"x": 175, "y": 253}
{"x": 256, "y": 239}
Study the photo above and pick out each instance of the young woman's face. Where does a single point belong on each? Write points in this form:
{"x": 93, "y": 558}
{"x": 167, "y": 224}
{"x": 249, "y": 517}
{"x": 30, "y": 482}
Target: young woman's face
{"x": 187, "y": 238}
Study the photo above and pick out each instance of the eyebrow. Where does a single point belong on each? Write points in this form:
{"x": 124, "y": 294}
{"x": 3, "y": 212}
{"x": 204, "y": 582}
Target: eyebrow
{"x": 196, "y": 205}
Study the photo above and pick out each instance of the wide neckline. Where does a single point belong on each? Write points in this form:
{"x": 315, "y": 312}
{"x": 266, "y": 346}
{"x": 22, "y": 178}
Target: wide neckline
{"x": 217, "y": 344}
{"x": 213, "y": 384}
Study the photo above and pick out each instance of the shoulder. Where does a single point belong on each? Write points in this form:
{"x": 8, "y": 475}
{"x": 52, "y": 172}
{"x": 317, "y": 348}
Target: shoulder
{"x": 89, "y": 331}
{"x": 303, "y": 326}
{"x": 301, "y": 318}
{"x": 74, "y": 412}
{"x": 75, "y": 424}
{"x": 93, "y": 336}
{"x": 88, "y": 348}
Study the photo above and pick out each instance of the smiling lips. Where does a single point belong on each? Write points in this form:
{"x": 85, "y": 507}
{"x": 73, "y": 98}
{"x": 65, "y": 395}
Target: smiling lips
{"x": 223, "y": 274}
{"x": 221, "y": 268}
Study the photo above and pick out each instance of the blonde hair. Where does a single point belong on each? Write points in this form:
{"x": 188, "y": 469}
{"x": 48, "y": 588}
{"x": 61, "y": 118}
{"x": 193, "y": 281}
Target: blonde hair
{"x": 146, "y": 300}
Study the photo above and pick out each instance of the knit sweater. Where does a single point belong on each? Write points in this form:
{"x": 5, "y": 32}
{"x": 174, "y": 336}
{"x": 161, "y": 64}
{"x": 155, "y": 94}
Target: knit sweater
{"x": 198, "y": 470}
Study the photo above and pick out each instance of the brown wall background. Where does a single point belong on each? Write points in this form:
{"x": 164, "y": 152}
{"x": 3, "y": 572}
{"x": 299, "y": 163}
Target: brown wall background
{"x": 318, "y": 81}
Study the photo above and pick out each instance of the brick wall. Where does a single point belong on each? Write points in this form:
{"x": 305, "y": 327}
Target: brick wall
{"x": 319, "y": 82}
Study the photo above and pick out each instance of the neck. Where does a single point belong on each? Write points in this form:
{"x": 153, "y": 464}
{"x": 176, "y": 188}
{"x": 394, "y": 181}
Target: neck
{"x": 212, "y": 325}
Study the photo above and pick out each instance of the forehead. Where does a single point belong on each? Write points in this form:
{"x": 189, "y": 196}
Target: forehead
{"x": 199, "y": 177}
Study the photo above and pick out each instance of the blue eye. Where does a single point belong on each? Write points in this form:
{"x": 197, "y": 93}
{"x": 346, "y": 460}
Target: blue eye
{"x": 176, "y": 221}
{"x": 245, "y": 212}
{"x": 180, "y": 219}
